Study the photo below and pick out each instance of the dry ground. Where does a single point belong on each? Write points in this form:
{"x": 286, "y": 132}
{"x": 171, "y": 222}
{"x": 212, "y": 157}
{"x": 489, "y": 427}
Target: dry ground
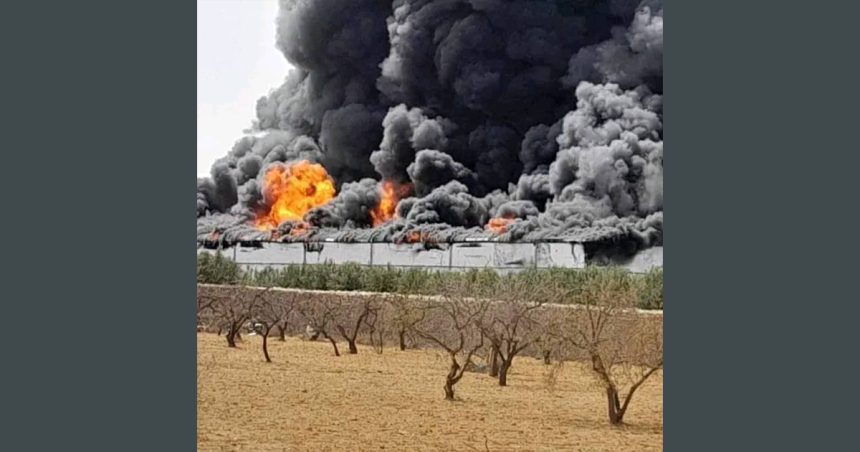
{"x": 310, "y": 400}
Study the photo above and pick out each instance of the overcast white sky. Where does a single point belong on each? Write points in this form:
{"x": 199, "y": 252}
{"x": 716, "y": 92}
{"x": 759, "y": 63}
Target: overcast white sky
{"x": 237, "y": 63}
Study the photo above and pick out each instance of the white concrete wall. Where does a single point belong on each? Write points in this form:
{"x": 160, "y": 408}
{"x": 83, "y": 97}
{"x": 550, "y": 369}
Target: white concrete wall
{"x": 340, "y": 253}
{"x": 505, "y": 257}
{"x": 271, "y": 253}
{"x": 229, "y": 253}
{"x": 514, "y": 255}
{"x": 408, "y": 255}
{"x": 472, "y": 255}
{"x": 567, "y": 255}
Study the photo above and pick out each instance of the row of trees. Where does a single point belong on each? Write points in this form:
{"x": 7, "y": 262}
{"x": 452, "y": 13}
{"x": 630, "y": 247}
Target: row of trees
{"x": 496, "y": 324}
{"x": 216, "y": 269}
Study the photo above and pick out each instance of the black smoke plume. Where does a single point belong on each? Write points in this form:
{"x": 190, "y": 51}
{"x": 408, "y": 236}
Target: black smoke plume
{"x": 546, "y": 112}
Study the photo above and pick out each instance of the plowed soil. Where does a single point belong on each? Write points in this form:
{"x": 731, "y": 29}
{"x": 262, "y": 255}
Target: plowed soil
{"x": 310, "y": 400}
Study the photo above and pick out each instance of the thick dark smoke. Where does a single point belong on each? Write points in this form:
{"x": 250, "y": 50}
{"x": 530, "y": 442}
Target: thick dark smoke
{"x": 545, "y": 112}
{"x": 405, "y": 133}
{"x": 351, "y": 208}
{"x": 433, "y": 169}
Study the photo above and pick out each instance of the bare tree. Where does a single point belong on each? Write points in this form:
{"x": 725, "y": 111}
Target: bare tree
{"x": 454, "y": 324}
{"x": 320, "y": 316}
{"x": 352, "y": 314}
{"x": 289, "y": 300}
{"x": 233, "y": 309}
{"x": 205, "y": 309}
{"x": 405, "y": 314}
{"x": 511, "y": 324}
{"x": 624, "y": 348}
{"x": 377, "y": 327}
{"x": 550, "y": 340}
{"x": 274, "y": 311}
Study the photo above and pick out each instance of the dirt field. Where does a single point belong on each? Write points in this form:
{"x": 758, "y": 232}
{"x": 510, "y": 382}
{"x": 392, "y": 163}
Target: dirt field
{"x": 310, "y": 400}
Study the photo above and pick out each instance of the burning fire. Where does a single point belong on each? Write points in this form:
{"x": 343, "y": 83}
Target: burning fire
{"x": 390, "y": 193}
{"x": 299, "y": 229}
{"x": 415, "y": 237}
{"x": 499, "y": 225}
{"x": 292, "y": 190}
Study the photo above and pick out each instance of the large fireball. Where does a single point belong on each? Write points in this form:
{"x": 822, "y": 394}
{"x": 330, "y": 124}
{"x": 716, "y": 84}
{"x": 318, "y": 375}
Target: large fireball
{"x": 292, "y": 190}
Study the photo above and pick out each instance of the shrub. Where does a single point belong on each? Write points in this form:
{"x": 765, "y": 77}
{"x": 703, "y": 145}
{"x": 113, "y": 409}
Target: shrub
{"x": 217, "y": 269}
{"x": 651, "y": 290}
{"x": 412, "y": 281}
{"x": 347, "y": 277}
{"x": 381, "y": 279}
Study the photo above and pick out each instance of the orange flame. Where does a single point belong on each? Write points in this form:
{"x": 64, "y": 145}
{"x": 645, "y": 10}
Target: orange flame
{"x": 292, "y": 190}
{"x": 390, "y": 193}
{"x": 499, "y": 225}
{"x": 299, "y": 229}
{"x": 416, "y": 237}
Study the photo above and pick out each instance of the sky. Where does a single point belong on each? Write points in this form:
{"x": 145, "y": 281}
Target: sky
{"x": 237, "y": 63}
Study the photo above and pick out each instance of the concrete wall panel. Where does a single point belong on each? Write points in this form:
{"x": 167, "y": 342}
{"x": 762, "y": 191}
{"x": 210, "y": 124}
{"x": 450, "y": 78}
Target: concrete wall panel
{"x": 340, "y": 253}
{"x": 567, "y": 255}
{"x": 514, "y": 255}
{"x": 228, "y": 253}
{"x": 407, "y": 255}
{"x": 271, "y": 253}
{"x": 475, "y": 255}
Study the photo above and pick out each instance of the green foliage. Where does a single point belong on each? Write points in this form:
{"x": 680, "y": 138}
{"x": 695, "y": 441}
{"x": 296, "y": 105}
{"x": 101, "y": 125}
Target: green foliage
{"x": 381, "y": 279}
{"x": 579, "y": 285}
{"x": 651, "y": 290}
{"x": 217, "y": 269}
{"x": 347, "y": 277}
{"x": 412, "y": 281}
{"x": 605, "y": 286}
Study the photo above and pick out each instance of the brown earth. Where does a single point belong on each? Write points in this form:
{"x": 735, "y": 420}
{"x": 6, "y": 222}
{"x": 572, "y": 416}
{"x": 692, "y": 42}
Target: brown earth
{"x": 310, "y": 400}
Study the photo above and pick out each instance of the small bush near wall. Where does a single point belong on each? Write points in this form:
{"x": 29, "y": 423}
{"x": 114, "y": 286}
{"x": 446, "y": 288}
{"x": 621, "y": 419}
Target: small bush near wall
{"x": 651, "y": 290}
{"x": 217, "y": 269}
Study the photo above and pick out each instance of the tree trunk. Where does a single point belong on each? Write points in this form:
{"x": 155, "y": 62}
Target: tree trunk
{"x": 449, "y": 390}
{"x": 232, "y": 334}
{"x": 265, "y": 346}
{"x": 353, "y": 350}
{"x": 282, "y": 333}
{"x": 451, "y": 379}
{"x": 546, "y": 359}
{"x": 494, "y": 362}
{"x": 333, "y": 344}
{"x": 402, "y": 335}
{"x": 616, "y": 415}
{"x": 503, "y": 372}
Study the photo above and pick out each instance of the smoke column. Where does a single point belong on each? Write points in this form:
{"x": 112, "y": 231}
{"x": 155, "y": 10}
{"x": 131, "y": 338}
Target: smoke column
{"x": 543, "y": 118}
